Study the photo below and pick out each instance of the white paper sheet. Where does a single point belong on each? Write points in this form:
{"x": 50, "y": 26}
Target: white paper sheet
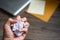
{"x": 37, "y": 7}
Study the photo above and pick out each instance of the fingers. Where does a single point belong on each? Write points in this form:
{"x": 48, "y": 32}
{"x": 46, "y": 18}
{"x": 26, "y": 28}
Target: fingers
{"x": 24, "y": 19}
{"x": 23, "y": 30}
{"x": 11, "y": 21}
{"x": 26, "y": 25}
{"x": 7, "y": 27}
{"x": 18, "y": 17}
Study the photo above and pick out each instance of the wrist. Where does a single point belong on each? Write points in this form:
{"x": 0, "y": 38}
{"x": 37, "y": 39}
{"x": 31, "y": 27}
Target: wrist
{"x": 7, "y": 39}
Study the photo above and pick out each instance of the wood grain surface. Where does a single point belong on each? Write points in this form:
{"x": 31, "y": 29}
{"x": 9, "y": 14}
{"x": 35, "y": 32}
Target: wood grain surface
{"x": 38, "y": 29}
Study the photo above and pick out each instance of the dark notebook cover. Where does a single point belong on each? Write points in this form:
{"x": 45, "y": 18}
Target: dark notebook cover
{"x": 13, "y": 6}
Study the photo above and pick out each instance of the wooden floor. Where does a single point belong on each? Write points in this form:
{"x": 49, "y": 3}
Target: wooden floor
{"x": 38, "y": 29}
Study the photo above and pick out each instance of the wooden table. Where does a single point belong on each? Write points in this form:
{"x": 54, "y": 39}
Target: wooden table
{"x": 38, "y": 29}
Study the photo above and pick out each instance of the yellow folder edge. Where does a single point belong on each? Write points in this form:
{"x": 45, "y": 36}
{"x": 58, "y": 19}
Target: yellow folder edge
{"x": 49, "y": 10}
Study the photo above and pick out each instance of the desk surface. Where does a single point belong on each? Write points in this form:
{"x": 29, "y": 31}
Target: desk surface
{"x": 38, "y": 29}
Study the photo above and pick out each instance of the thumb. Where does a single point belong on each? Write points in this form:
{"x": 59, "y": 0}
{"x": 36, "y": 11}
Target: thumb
{"x": 9, "y": 22}
{"x": 7, "y": 27}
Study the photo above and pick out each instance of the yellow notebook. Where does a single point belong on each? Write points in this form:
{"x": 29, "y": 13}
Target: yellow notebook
{"x": 50, "y": 8}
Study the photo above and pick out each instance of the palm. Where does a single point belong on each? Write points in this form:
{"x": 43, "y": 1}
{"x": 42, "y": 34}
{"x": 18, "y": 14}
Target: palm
{"x": 8, "y": 33}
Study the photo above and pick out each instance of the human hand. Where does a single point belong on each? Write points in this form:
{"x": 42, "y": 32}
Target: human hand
{"x": 8, "y": 33}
